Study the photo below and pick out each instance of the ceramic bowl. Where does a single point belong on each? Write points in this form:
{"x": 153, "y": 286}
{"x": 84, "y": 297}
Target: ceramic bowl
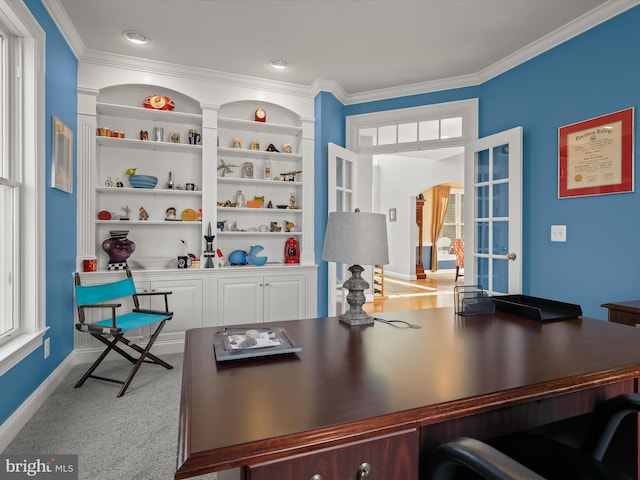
{"x": 143, "y": 181}
{"x": 153, "y": 263}
{"x": 255, "y": 203}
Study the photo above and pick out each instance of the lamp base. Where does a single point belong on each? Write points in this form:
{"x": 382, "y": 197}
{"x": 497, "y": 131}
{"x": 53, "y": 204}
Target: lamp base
{"x": 356, "y": 286}
{"x": 354, "y": 321}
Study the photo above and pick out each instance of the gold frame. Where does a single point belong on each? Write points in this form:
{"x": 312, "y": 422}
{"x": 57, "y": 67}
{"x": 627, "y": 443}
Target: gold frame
{"x": 61, "y": 156}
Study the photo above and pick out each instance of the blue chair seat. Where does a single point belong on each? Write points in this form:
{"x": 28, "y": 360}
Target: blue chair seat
{"x": 133, "y": 320}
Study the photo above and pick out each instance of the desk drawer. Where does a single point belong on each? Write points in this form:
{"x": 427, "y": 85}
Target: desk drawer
{"x": 626, "y": 318}
{"x": 390, "y": 457}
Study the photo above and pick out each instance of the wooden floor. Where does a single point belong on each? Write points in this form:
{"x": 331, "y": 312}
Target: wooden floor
{"x": 435, "y": 291}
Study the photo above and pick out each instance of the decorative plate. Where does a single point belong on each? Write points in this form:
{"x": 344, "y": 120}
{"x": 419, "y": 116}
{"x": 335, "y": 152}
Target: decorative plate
{"x": 158, "y": 102}
{"x": 189, "y": 215}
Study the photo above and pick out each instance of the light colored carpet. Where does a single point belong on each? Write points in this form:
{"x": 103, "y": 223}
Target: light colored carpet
{"x": 132, "y": 437}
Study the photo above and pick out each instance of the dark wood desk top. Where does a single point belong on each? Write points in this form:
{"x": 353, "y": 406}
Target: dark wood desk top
{"x": 354, "y": 382}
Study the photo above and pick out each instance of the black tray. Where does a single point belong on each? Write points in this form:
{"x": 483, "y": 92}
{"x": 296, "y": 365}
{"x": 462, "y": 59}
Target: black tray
{"x": 536, "y": 308}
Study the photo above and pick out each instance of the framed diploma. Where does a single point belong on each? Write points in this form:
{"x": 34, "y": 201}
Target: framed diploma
{"x": 596, "y": 156}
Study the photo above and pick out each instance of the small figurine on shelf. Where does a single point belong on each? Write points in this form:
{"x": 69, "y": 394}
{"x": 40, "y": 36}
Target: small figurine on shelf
{"x": 143, "y": 214}
{"x": 171, "y": 214}
{"x": 127, "y": 212}
{"x": 225, "y": 167}
{"x": 170, "y": 184}
{"x": 108, "y": 182}
{"x": 270, "y": 204}
{"x": 119, "y": 184}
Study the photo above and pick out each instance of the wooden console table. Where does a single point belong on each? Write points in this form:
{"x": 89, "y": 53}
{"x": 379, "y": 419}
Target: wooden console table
{"x": 627, "y": 313}
{"x": 387, "y": 396}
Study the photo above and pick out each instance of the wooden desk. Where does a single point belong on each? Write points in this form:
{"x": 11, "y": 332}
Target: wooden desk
{"x": 627, "y": 313}
{"x": 387, "y": 395}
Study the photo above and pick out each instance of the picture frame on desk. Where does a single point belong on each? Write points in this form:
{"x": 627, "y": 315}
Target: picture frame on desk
{"x": 242, "y": 343}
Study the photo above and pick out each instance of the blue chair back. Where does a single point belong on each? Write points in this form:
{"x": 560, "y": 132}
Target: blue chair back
{"x": 92, "y": 294}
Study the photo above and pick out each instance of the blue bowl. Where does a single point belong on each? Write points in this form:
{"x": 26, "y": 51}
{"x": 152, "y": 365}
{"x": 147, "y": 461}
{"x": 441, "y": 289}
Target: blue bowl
{"x": 143, "y": 181}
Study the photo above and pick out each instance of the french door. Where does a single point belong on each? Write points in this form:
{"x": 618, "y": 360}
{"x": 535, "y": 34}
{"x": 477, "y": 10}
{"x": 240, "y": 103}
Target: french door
{"x": 493, "y": 212}
{"x": 342, "y": 195}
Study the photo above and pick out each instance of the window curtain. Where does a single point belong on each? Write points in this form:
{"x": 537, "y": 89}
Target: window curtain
{"x": 438, "y": 212}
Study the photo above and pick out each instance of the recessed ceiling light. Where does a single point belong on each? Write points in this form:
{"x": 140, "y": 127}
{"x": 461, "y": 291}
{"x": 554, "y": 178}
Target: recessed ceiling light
{"x": 279, "y": 64}
{"x": 136, "y": 38}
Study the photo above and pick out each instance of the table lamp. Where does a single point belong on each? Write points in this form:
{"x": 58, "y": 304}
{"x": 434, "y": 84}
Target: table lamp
{"x": 356, "y": 238}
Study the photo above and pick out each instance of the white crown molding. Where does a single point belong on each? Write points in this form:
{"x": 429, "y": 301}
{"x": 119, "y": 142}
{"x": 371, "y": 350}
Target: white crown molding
{"x": 596, "y": 16}
{"x": 68, "y": 31}
{"x": 322, "y": 85}
{"x": 599, "y": 15}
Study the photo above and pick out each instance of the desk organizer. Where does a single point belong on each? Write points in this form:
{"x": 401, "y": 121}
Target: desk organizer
{"x": 536, "y": 308}
{"x": 472, "y": 300}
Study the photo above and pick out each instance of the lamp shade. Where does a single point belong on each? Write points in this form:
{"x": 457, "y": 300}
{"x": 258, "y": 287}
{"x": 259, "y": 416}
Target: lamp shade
{"x": 356, "y": 238}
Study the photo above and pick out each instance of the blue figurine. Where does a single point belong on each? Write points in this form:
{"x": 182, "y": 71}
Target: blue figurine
{"x": 240, "y": 257}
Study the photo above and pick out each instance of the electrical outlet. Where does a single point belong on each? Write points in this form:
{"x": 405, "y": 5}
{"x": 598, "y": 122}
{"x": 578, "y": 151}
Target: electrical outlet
{"x": 47, "y": 347}
{"x": 558, "y": 233}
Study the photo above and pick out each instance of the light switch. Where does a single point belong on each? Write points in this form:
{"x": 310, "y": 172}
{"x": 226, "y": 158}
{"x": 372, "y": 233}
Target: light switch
{"x": 558, "y": 233}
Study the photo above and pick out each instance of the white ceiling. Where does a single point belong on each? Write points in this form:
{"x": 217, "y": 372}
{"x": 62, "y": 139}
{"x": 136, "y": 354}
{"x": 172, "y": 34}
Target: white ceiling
{"x": 361, "y": 45}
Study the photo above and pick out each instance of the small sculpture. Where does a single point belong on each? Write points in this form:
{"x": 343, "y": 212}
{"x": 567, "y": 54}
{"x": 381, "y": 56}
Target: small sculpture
{"x": 225, "y": 167}
{"x": 170, "y": 214}
{"x": 272, "y": 148}
{"x": 127, "y": 212}
{"x": 143, "y": 214}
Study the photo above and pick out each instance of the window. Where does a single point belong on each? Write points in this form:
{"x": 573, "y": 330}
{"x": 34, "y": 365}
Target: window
{"x": 439, "y": 129}
{"x": 453, "y": 226}
{"x": 22, "y": 321}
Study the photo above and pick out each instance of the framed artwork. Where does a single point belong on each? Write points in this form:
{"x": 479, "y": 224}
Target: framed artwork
{"x": 596, "y": 156}
{"x": 61, "y": 156}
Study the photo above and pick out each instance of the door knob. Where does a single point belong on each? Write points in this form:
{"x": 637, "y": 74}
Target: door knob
{"x": 511, "y": 256}
{"x": 363, "y": 471}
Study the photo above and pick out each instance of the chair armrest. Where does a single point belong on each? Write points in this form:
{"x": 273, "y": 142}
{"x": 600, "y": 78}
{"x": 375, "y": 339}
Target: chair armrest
{"x": 608, "y": 416}
{"x": 477, "y": 456}
{"x": 112, "y": 306}
{"x": 102, "y": 305}
{"x": 166, "y": 299}
{"x": 153, "y": 312}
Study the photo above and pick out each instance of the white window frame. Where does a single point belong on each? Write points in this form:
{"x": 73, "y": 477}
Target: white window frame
{"x": 25, "y": 132}
{"x": 467, "y": 109}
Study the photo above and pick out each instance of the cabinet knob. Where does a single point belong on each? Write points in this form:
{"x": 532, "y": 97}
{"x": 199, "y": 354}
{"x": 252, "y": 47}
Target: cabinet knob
{"x": 316, "y": 477}
{"x": 364, "y": 470}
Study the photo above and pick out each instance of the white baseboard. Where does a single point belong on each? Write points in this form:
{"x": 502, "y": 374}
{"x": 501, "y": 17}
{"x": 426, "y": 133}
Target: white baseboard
{"x": 12, "y": 426}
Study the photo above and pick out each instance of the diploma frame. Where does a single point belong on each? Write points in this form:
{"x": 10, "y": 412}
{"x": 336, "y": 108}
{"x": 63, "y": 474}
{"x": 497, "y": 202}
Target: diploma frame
{"x": 595, "y": 156}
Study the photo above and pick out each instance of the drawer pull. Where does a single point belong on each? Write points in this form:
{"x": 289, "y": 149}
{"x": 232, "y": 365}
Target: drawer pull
{"x": 316, "y": 477}
{"x": 363, "y": 471}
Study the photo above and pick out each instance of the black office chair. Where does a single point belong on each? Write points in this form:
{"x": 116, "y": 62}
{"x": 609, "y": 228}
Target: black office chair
{"x": 517, "y": 456}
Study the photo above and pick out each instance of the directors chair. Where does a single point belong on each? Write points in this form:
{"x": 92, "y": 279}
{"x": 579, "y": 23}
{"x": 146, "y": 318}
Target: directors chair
{"x": 111, "y": 331}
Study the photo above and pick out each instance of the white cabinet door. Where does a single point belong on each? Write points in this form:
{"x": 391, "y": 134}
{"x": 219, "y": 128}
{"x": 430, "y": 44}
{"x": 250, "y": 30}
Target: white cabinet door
{"x": 185, "y": 302}
{"x": 240, "y": 300}
{"x": 284, "y": 298}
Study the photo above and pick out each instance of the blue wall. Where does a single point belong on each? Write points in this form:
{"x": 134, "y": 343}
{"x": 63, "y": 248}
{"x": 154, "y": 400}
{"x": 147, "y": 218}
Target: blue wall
{"x": 61, "y": 101}
{"x": 591, "y": 75}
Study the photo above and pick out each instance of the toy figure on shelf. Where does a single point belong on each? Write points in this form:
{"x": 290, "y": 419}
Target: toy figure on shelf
{"x": 225, "y": 167}
{"x": 127, "y": 212}
{"x": 143, "y": 214}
